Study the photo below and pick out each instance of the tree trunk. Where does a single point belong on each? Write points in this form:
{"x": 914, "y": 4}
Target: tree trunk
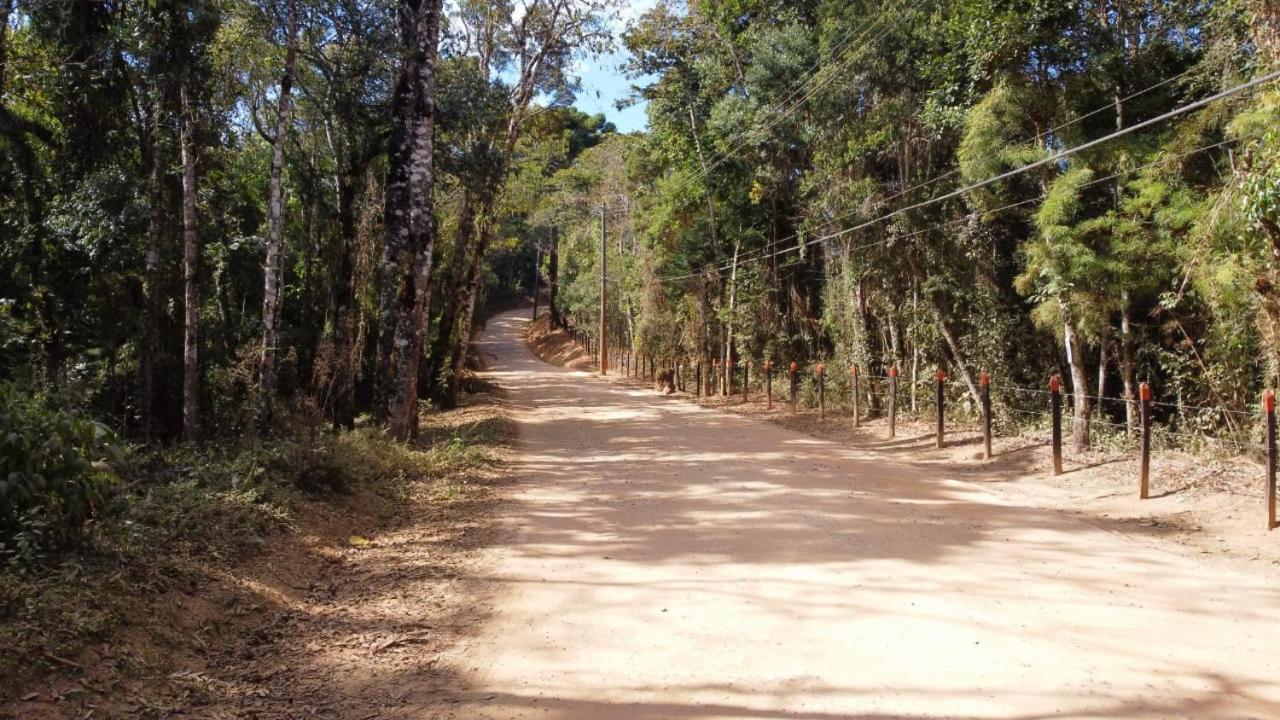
{"x": 553, "y": 279}
{"x": 151, "y": 281}
{"x": 222, "y": 301}
{"x": 1079, "y": 382}
{"x": 402, "y": 411}
{"x": 894, "y": 352}
{"x": 1103, "y": 355}
{"x": 6, "y": 9}
{"x": 396, "y": 223}
{"x": 441, "y": 355}
{"x": 1126, "y": 367}
{"x": 345, "y": 349}
{"x": 959, "y": 365}
{"x": 190, "y": 277}
{"x": 726, "y": 365}
{"x": 275, "y": 235}
{"x": 466, "y": 318}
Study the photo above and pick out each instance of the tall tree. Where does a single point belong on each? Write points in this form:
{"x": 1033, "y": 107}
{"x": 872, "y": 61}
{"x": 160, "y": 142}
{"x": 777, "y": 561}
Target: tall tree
{"x": 275, "y": 237}
{"x": 410, "y": 226}
{"x": 190, "y": 272}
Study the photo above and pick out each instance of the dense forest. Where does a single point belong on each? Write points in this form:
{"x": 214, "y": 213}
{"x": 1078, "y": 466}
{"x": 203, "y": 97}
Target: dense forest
{"x": 1028, "y": 188}
{"x": 224, "y": 220}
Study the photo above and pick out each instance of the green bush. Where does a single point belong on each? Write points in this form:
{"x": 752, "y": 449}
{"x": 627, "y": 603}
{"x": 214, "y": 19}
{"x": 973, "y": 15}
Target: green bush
{"x": 55, "y": 476}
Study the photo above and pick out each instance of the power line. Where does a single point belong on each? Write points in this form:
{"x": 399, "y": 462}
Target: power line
{"x": 1054, "y": 158}
{"x": 939, "y": 178}
{"x": 815, "y": 80}
{"x": 926, "y": 183}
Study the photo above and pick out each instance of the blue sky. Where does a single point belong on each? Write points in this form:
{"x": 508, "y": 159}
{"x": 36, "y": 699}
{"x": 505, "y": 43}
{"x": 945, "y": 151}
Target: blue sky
{"x": 602, "y": 81}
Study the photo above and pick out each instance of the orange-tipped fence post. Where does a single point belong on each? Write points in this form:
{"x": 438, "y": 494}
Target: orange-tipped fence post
{"x": 893, "y": 401}
{"x": 822, "y": 391}
{"x": 746, "y": 381}
{"x": 853, "y": 381}
{"x": 697, "y": 379}
{"x": 1144, "y": 396}
{"x": 768, "y": 384}
{"x": 940, "y": 399}
{"x": 1055, "y": 411}
{"x": 985, "y": 385}
{"x": 795, "y": 383}
{"x": 1269, "y": 407}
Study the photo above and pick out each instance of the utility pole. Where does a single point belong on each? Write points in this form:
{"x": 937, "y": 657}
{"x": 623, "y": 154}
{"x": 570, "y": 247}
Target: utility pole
{"x": 604, "y": 269}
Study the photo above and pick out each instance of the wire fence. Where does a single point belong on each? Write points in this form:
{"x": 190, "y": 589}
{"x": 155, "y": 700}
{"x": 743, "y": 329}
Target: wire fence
{"x": 1111, "y": 423}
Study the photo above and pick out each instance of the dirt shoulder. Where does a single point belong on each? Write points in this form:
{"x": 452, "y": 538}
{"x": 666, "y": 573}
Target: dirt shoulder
{"x": 1200, "y": 505}
{"x": 327, "y": 619}
{"x": 555, "y": 346}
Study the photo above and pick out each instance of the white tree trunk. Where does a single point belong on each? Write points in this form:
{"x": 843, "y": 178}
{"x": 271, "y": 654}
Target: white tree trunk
{"x": 275, "y": 235}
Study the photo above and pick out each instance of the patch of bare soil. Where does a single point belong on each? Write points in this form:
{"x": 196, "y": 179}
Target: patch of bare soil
{"x": 556, "y": 347}
{"x": 330, "y": 621}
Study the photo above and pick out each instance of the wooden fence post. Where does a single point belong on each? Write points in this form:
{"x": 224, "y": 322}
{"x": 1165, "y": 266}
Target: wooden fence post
{"x": 746, "y": 380}
{"x": 1269, "y": 406}
{"x": 940, "y": 399}
{"x": 986, "y": 414}
{"x": 1055, "y": 410}
{"x": 728, "y": 388}
{"x": 1144, "y": 395}
{"x": 893, "y": 401}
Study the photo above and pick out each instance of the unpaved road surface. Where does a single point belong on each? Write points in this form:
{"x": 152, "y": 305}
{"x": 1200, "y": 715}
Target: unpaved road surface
{"x": 668, "y": 561}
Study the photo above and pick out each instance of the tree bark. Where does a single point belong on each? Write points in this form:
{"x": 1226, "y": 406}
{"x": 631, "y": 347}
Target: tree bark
{"x": 1126, "y": 367}
{"x": 345, "y": 350}
{"x": 725, "y": 366}
{"x": 466, "y": 316}
{"x": 412, "y": 298}
{"x": 553, "y": 279}
{"x": 275, "y": 234}
{"x": 6, "y": 9}
{"x": 151, "y": 281}
{"x": 1103, "y": 356}
{"x": 1079, "y": 381}
{"x": 441, "y": 355}
{"x": 190, "y": 276}
{"x": 396, "y": 223}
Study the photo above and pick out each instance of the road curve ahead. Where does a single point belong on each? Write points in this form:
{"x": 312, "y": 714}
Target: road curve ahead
{"x": 667, "y": 561}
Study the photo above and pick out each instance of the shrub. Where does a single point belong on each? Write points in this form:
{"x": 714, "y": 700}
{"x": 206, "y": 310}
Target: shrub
{"x": 55, "y": 476}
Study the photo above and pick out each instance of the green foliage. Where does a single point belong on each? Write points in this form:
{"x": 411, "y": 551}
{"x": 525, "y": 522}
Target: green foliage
{"x": 57, "y": 473}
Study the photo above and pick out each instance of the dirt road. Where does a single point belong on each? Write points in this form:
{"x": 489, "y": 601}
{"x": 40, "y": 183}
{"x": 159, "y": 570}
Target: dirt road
{"x": 668, "y": 561}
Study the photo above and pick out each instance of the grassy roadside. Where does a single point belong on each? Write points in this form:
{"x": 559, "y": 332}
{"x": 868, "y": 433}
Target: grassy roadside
{"x": 215, "y": 539}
